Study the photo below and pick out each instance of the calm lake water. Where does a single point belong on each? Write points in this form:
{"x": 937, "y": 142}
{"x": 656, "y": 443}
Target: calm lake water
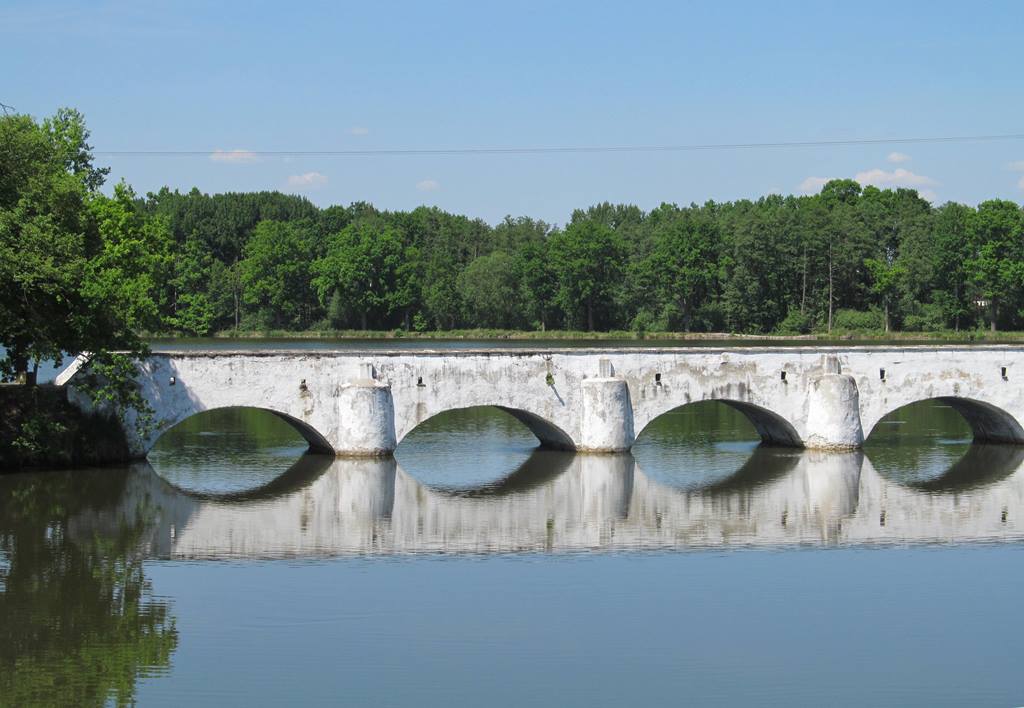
{"x": 473, "y": 569}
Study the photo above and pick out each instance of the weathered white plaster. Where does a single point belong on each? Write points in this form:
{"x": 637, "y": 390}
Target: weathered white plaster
{"x": 830, "y": 397}
{"x": 833, "y": 414}
{"x": 606, "y": 424}
{"x": 366, "y": 418}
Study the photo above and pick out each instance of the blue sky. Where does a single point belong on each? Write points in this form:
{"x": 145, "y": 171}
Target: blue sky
{"x": 204, "y": 76}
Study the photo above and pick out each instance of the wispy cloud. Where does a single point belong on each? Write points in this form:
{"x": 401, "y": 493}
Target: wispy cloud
{"x": 897, "y": 157}
{"x": 358, "y": 130}
{"x": 813, "y": 185}
{"x": 1017, "y": 166}
{"x": 878, "y": 177}
{"x": 428, "y": 185}
{"x": 309, "y": 180}
{"x": 899, "y": 177}
{"x": 236, "y": 156}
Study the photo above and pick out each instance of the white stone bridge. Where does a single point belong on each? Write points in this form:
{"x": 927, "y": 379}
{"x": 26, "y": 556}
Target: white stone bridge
{"x": 363, "y": 403}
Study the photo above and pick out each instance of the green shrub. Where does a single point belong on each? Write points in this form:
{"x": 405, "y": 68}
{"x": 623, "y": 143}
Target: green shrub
{"x": 644, "y": 321}
{"x": 858, "y": 321}
{"x": 796, "y": 322}
{"x": 709, "y": 317}
{"x": 929, "y": 317}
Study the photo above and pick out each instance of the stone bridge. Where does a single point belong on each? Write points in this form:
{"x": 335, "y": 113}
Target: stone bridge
{"x": 363, "y": 403}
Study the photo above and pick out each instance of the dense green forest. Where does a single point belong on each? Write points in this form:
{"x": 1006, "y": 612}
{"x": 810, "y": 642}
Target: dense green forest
{"x": 78, "y": 266}
{"x": 848, "y": 258}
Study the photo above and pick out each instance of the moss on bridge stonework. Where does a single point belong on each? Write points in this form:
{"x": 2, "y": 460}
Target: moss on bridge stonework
{"x": 39, "y": 429}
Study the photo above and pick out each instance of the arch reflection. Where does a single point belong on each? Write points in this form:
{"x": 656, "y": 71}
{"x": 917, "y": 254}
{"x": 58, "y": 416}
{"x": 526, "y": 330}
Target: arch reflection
{"x": 565, "y": 502}
{"x": 979, "y": 467}
{"x": 304, "y": 471}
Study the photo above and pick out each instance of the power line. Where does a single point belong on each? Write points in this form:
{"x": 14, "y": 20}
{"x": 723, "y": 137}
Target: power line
{"x": 229, "y": 155}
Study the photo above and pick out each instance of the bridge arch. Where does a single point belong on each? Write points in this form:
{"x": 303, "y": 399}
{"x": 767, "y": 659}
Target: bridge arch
{"x": 772, "y": 428}
{"x": 317, "y": 442}
{"x": 549, "y": 435}
{"x": 989, "y": 423}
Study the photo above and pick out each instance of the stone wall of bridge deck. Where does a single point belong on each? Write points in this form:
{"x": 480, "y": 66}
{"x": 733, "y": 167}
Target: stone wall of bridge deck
{"x": 367, "y": 402}
{"x": 548, "y": 387}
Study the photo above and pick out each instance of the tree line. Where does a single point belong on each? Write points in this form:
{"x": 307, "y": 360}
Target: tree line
{"x": 81, "y": 270}
{"x": 850, "y": 257}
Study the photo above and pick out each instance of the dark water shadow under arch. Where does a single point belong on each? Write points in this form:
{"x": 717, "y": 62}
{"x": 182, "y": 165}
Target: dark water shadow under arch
{"x": 771, "y": 428}
{"x": 988, "y": 423}
{"x": 548, "y": 435}
{"x": 315, "y": 441}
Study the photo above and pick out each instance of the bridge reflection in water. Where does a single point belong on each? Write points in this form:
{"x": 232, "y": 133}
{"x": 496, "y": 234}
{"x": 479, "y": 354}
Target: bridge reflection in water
{"x": 566, "y": 502}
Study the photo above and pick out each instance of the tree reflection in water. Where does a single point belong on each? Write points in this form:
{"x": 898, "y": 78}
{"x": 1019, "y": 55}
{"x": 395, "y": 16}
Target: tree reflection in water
{"x": 78, "y": 619}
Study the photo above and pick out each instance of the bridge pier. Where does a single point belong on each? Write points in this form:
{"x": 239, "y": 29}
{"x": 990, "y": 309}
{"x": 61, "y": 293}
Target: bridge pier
{"x": 607, "y": 422}
{"x": 366, "y": 417}
{"x": 833, "y": 410}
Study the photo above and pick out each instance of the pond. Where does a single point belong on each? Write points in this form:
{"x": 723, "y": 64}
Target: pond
{"x": 472, "y": 568}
